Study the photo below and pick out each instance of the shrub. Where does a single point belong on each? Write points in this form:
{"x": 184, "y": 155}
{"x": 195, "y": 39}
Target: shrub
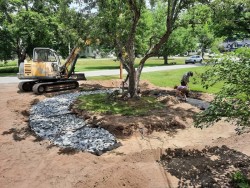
{"x": 232, "y": 101}
{"x": 239, "y": 180}
{"x": 9, "y": 69}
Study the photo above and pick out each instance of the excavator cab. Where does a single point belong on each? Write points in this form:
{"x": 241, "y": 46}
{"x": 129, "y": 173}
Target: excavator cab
{"x": 45, "y": 65}
{"x": 45, "y": 55}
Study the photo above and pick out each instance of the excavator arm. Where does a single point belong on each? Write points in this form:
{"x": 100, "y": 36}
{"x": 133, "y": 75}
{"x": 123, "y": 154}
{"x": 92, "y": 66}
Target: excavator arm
{"x": 48, "y": 75}
{"x": 68, "y": 67}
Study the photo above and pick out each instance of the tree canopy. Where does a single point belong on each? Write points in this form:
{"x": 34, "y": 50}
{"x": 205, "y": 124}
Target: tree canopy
{"x": 123, "y": 22}
{"x": 32, "y": 23}
{"x": 231, "y": 18}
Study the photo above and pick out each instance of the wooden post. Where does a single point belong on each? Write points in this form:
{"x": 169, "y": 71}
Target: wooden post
{"x": 120, "y": 70}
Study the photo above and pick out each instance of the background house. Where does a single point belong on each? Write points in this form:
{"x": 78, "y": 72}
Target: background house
{"x": 229, "y": 46}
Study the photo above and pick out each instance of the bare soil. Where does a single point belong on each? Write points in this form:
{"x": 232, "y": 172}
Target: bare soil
{"x": 160, "y": 150}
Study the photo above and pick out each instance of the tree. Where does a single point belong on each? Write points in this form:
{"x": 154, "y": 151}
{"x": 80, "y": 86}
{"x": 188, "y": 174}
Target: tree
{"x": 205, "y": 39}
{"x": 231, "y": 18}
{"x": 199, "y": 18}
{"x": 179, "y": 42}
{"x": 32, "y": 23}
{"x": 232, "y": 102}
{"x": 119, "y": 22}
{"x": 5, "y": 47}
{"x": 26, "y": 23}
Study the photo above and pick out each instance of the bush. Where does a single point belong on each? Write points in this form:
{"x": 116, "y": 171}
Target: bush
{"x": 239, "y": 180}
{"x": 9, "y": 69}
{"x": 232, "y": 102}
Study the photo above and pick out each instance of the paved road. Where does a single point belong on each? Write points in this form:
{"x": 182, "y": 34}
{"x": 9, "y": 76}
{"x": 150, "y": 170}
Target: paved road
{"x": 13, "y": 79}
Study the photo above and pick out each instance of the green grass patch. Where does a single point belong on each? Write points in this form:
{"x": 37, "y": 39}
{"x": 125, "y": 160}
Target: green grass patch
{"x": 8, "y": 68}
{"x": 83, "y": 65}
{"x": 106, "y": 77}
{"x": 171, "y": 78}
{"x": 8, "y": 63}
{"x": 101, "y": 104}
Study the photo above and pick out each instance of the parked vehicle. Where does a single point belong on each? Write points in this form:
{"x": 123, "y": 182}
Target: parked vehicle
{"x": 194, "y": 59}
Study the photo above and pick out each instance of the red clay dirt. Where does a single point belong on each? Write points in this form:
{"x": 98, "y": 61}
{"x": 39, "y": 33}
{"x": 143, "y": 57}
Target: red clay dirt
{"x": 26, "y": 161}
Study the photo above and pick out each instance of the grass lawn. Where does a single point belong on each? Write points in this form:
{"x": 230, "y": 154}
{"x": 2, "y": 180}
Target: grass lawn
{"x": 8, "y": 69}
{"x": 83, "y": 65}
{"x": 7, "y": 74}
{"x": 10, "y": 63}
{"x": 100, "y": 103}
{"x": 171, "y": 78}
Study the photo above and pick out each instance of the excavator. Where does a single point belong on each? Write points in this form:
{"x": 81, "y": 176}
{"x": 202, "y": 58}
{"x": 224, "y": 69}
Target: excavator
{"x": 44, "y": 73}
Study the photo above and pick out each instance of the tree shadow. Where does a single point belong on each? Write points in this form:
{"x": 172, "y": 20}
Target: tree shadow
{"x": 22, "y": 133}
{"x": 18, "y": 134}
{"x": 68, "y": 151}
{"x": 63, "y": 150}
{"x": 211, "y": 167}
{"x": 92, "y": 87}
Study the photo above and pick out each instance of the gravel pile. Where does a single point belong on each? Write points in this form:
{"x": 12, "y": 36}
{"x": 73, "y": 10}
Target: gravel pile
{"x": 51, "y": 119}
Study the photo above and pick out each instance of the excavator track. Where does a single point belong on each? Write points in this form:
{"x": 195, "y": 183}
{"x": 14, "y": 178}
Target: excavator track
{"x": 41, "y": 88}
{"x": 26, "y": 86}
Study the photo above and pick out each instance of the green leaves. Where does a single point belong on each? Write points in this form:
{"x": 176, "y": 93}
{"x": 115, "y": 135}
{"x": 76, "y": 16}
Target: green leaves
{"x": 231, "y": 18}
{"x": 232, "y": 103}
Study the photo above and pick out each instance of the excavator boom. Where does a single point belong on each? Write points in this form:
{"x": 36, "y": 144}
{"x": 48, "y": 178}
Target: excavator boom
{"x": 69, "y": 66}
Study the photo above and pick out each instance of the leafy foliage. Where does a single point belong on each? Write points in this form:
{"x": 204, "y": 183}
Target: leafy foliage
{"x": 232, "y": 103}
{"x": 231, "y": 18}
{"x": 239, "y": 180}
{"x": 9, "y": 69}
{"x": 180, "y": 41}
{"x": 30, "y": 23}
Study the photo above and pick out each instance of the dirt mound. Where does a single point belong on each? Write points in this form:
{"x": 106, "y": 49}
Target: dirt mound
{"x": 210, "y": 167}
{"x": 170, "y": 118}
{"x": 175, "y": 115}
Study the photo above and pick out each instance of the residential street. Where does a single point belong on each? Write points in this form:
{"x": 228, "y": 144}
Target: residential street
{"x": 13, "y": 79}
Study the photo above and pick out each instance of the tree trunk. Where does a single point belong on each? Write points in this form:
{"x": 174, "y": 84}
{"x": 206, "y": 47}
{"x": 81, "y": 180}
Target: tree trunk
{"x": 21, "y": 53}
{"x": 21, "y": 57}
{"x": 202, "y": 53}
{"x": 132, "y": 87}
{"x": 134, "y": 78}
{"x": 134, "y": 75}
{"x": 165, "y": 59}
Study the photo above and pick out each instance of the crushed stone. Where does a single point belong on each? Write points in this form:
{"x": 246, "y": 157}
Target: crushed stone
{"x": 51, "y": 119}
{"x": 198, "y": 103}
